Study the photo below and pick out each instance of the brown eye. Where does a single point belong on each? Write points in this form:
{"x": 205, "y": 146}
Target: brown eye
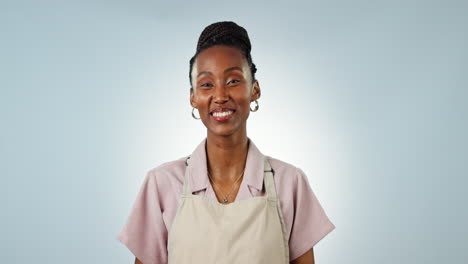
{"x": 233, "y": 81}
{"x": 206, "y": 85}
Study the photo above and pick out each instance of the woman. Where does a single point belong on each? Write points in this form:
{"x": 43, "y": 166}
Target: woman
{"x": 226, "y": 202}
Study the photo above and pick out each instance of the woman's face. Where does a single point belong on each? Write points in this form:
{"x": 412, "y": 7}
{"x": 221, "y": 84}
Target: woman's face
{"x": 223, "y": 89}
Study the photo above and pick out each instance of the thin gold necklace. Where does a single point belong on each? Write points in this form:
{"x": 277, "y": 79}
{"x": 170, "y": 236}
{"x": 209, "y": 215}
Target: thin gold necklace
{"x": 225, "y": 200}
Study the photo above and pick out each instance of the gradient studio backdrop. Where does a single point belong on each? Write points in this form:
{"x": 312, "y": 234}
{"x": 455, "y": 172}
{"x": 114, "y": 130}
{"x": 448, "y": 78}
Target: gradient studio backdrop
{"x": 369, "y": 98}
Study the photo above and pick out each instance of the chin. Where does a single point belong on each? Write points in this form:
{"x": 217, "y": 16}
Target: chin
{"x": 224, "y": 132}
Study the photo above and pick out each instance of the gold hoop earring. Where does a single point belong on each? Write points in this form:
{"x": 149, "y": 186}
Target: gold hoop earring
{"x": 256, "y": 107}
{"x": 193, "y": 115}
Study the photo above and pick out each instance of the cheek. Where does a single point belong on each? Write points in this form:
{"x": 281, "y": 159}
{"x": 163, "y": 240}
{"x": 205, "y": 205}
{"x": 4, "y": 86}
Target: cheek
{"x": 244, "y": 101}
{"x": 201, "y": 100}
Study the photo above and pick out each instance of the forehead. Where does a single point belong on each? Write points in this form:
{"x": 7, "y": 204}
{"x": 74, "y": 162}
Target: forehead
{"x": 219, "y": 58}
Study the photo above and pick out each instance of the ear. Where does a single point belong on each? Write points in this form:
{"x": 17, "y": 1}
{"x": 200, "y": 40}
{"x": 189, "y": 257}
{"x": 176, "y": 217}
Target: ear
{"x": 256, "y": 92}
{"x": 192, "y": 98}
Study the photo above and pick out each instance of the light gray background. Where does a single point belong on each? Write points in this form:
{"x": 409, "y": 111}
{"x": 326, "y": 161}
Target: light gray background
{"x": 369, "y": 98}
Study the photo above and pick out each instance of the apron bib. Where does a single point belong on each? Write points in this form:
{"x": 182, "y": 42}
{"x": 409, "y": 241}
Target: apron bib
{"x": 204, "y": 231}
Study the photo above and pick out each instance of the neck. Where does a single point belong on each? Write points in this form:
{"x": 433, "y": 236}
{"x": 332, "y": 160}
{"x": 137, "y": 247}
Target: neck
{"x": 226, "y": 156}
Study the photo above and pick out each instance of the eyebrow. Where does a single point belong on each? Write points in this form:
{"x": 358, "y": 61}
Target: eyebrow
{"x": 225, "y": 71}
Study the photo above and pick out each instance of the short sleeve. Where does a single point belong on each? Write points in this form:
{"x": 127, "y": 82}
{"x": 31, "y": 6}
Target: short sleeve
{"x": 310, "y": 223}
{"x": 145, "y": 233}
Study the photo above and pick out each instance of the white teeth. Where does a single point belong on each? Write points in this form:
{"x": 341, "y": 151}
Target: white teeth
{"x": 221, "y": 114}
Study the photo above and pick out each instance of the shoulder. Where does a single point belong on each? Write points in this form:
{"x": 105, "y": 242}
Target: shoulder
{"x": 168, "y": 173}
{"x": 173, "y": 167}
{"x": 285, "y": 172}
{"x": 291, "y": 183}
{"x": 164, "y": 183}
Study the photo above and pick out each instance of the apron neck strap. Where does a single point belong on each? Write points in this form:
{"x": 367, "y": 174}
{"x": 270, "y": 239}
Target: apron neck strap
{"x": 268, "y": 179}
{"x": 186, "y": 189}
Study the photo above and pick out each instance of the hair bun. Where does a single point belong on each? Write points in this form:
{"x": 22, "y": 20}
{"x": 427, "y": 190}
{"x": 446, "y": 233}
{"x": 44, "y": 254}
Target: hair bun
{"x": 223, "y": 28}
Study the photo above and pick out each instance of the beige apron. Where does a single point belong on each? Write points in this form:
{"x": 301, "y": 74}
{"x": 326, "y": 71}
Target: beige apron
{"x": 204, "y": 231}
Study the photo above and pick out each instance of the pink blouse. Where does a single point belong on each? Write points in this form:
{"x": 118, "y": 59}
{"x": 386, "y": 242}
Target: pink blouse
{"x": 146, "y": 230}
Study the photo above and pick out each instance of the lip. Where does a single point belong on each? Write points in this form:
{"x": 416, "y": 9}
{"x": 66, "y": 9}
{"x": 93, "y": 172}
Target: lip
{"x": 222, "y": 118}
{"x": 222, "y": 110}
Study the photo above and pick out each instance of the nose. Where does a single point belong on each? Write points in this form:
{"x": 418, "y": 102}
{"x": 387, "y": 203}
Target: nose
{"x": 221, "y": 94}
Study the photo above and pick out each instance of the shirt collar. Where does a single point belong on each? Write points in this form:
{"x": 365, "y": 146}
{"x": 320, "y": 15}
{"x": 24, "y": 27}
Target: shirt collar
{"x": 253, "y": 174}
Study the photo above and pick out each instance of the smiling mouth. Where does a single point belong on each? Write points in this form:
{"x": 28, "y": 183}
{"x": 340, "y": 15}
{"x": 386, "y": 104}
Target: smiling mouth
{"x": 222, "y": 115}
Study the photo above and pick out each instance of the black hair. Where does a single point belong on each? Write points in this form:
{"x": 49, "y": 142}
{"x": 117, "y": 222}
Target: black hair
{"x": 225, "y": 33}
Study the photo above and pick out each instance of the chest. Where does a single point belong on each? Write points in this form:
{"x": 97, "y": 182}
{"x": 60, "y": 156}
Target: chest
{"x": 246, "y": 231}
